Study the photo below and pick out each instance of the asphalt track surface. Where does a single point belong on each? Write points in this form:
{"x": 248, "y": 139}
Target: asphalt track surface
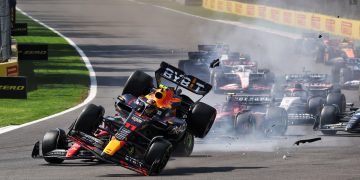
{"x": 121, "y": 36}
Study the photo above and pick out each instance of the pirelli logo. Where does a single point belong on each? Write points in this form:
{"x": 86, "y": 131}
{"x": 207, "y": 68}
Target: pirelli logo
{"x": 12, "y": 70}
{"x": 13, "y": 87}
{"x": 33, "y": 52}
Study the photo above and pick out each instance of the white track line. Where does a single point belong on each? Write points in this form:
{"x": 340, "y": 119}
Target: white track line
{"x": 238, "y": 24}
{"x": 93, "y": 82}
{"x": 234, "y": 23}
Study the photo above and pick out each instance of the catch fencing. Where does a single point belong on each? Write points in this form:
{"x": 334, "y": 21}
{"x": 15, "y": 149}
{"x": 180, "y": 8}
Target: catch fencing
{"x": 5, "y": 31}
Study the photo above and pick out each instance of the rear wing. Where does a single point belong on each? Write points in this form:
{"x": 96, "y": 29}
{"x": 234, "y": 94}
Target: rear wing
{"x": 178, "y": 77}
{"x": 306, "y": 77}
{"x": 294, "y": 77}
{"x": 318, "y": 85}
{"x": 215, "y": 47}
{"x": 317, "y": 76}
{"x": 250, "y": 99}
{"x": 202, "y": 55}
{"x": 196, "y": 55}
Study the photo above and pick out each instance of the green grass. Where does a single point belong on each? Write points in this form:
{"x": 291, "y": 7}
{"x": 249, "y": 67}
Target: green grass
{"x": 200, "y": 11}
{"x": 54, "y": 85}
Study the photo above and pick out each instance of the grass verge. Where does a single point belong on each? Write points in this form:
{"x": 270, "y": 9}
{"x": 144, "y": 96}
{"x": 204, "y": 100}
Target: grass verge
{"x": 54, "y": 85}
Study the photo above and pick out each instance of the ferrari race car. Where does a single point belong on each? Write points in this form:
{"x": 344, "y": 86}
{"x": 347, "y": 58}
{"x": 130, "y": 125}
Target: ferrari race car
{"x": 247, "y": 114}
{"x": 152, "y": 124}
{"x": 305, "y": 95}
{"x": 332, "y": 120}
{"x": 241, "y": 76}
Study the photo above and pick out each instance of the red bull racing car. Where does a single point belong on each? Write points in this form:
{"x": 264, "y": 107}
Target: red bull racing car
{"x": 152, "y": 124}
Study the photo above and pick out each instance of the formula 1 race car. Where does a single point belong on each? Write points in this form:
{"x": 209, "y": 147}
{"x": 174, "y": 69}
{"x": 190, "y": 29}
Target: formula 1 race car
{"x": 199, "y": 63}
{"x": 332, "y": 120}
{"x": 247, "y": 114}
{"x": 310, "y": 43}
{"x": 305, "y": 95}
{"x": 333, "y": 50}
{"x": 241, "y": 76}
{"x": 346, "y": 72}
{"x": 152, "y": 122}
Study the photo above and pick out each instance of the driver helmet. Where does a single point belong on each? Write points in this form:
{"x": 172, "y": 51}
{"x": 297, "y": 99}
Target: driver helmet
{"x": 163, "y": 97}
{"x": 150, "y": 107}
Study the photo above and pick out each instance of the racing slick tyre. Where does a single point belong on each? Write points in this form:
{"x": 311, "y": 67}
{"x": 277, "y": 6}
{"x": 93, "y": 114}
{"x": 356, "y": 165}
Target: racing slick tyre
{"x": 338, "y": 99}
{"x": 157, "y": 155}
{"x": 315, "y": 104}
{"x": 201, "y": 119}
{"x": 276, "y": 121}
{"x": 139, "y": 83}
{"x": 89, "y": 119}
{"x": 328, "y": 116}
{"x": 345, "y": 75}
{"x": 185, "y": 146}
{"x": 54, "y": 139}
{"x": 244, "y": 123}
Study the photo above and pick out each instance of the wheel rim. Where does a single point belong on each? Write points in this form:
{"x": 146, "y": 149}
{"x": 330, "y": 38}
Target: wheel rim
{"x": 188, "y": 141}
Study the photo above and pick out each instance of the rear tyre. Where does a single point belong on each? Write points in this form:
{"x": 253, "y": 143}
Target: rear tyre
{"x": 54, "y": 139}
{"x": 276, "y": 121}
{"x": 158, "y": 155}
{"x": 139, "y": 83}
{"x": 328, "y": 116}
{"x": 185, "y": 146}
{"x": 89, "y": 119}
{"x": 244, "y": 124}
{"x": 201, "y": 119}
{"x": 338, "y": 99}
{"x": 315, "y": 105}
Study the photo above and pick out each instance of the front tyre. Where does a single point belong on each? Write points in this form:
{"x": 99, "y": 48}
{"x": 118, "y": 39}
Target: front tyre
{"x": 276, "y": 121}
{"x": 201, "y": 119}
{"x": 158, "y": 155}
{"x": 53, "y": 139}
{"x": 89, "y": 119}
{"x": 328, "y": 116}
{"x": 139, "y": 83}
{"x": 185, "y": 146}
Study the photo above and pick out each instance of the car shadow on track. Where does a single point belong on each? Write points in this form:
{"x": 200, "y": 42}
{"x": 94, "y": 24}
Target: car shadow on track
{"x": 186, "y": 171}
{"x": 342, "y": 135}
{"x": 82, "y": 163}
